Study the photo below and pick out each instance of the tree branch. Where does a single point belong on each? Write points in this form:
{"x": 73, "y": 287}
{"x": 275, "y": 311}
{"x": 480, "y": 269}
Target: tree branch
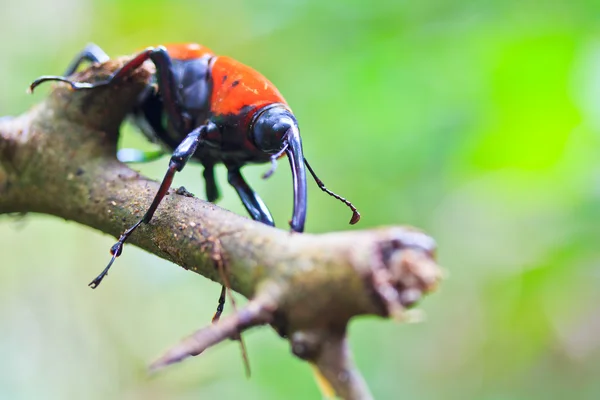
{"x": 59, "y": 159}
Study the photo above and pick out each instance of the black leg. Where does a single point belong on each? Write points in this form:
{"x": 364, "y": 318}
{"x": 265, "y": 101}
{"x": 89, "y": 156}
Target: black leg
{"x": 212, "y": 194}
{"x": 91, "y": 53}
{"x": 257, "y": 210}
{"x": 212, "y": 190}
{"x": 220, "y": 306}
{"x": 180, "y": 156}
{"x": 254, "y": 204}
{"x": 164, "y": 73}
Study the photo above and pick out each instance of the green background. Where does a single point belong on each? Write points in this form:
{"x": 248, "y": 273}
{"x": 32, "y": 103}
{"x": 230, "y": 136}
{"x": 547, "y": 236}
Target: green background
{"x": 476, "y": 121}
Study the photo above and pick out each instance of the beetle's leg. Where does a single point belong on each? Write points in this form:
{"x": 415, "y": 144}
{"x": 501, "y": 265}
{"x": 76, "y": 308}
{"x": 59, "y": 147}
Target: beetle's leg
{"x": 180, "y": 156}
{"x": 212, "y": 194}
{"x": 164, "y": 74}
{"x": 253, "y": 203}
{"x": 167, "y": 86}
{"x": 220, "y": 306}
{"x": 212, "y": 190}
{"x": 138, "y": 156}
{"x": 131, "y": 65}
{"x": 256, "y": 208}
{"x": 91, "y": 53}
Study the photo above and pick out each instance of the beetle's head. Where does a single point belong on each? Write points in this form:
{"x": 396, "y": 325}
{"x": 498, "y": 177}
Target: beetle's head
{"x": 274, "y": 130}
{"x": 271, "y": 126}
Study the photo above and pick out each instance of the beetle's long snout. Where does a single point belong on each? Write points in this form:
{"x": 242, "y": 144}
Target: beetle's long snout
{"x": 296, "y": 158}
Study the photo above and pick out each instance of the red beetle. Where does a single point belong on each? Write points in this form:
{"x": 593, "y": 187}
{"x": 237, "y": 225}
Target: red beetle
{"x": 217, "y": 110}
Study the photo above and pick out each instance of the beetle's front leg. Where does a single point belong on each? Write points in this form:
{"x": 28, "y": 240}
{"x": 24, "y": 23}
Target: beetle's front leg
{"x": 180, "y": 157}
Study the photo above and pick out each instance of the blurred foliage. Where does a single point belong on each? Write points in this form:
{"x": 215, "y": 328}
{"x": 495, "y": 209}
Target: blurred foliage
{"x": 477, "y": 121}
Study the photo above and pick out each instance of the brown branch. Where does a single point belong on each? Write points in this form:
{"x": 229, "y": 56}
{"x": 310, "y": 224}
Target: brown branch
{"x": 59, "y": 159}
{"x": 335, "y": 363}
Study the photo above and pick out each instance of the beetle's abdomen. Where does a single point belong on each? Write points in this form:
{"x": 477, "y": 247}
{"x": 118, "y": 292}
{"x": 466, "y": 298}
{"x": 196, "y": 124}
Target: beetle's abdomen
{"x": 239, "y": 89}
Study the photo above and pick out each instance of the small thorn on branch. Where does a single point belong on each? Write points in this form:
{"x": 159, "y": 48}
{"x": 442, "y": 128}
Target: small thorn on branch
{"x": 257, "y": 312}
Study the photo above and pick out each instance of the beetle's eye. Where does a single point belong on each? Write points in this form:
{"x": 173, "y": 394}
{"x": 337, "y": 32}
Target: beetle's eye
{"x": 270, "y": 127}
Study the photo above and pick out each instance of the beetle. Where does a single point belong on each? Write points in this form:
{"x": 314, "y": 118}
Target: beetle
{"x": 211, "y": 109}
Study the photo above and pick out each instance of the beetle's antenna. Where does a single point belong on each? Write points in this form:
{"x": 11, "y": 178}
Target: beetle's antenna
{"x": 355, "y": 214}
{"x": 274, "y": 158}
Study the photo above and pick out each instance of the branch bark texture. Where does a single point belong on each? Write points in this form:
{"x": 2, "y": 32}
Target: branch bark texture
{"x": 59, "y": 159}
